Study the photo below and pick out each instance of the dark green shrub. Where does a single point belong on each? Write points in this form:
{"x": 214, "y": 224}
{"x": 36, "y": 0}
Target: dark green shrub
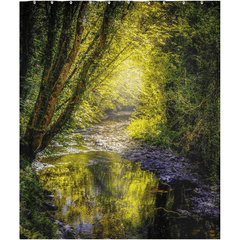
{"x": 33, "y": 222}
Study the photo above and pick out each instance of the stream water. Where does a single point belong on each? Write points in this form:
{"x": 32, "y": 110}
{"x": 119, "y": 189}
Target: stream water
{"x": 102, "y": 195}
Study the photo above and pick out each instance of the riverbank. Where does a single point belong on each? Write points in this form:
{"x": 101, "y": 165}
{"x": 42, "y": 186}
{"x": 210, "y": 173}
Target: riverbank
{"x": 194, "y": 198}
{"x": 34, "y": 222}
{"x": 36, "y": 210}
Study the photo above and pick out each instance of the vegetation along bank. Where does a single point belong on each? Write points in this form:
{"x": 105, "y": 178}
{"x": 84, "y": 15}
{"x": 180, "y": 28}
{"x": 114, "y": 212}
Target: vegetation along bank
{"x": 79, "y": 60}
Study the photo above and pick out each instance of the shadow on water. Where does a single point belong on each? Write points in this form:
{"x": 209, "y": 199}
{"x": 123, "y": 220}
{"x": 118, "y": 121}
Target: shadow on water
{"x": 172, "y": 219}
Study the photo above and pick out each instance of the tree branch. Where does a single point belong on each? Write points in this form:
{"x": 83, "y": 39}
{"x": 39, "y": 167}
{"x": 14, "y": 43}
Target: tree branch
{"x": 35, "y": 133}
{"x": 76, "y": 98}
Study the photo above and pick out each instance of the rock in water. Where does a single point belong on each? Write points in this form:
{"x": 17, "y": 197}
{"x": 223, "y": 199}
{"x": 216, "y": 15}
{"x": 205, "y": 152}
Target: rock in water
{"x": 38, "y": 166}
{"x": 50, "y": 206}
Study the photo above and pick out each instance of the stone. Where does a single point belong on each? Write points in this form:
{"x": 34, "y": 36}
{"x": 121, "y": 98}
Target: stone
{"x": 162, "y": 179}
{"x": 50, "y": 206}
{"x": 38, "y": 166}
{"x": 56, "y": 222}
{"x": 184, "y": 212}
{"x": 172, "y": 182}
{"x": 49, "y": 215}
{"x": 65, "y": 231}
{"x": 69, "y": 234}
{"x": 49, "y": 196}
{"x": 160, "y": 166}
{"x": 46, "y": 192}
{"x": 184, "y": 178}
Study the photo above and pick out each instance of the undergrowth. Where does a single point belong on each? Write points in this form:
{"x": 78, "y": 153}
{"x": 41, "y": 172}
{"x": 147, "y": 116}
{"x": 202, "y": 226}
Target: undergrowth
{"x": 34, "y": 224}
{"x": 155, "y": 132}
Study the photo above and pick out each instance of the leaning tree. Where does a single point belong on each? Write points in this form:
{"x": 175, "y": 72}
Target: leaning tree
{"x": 63, "y": 27}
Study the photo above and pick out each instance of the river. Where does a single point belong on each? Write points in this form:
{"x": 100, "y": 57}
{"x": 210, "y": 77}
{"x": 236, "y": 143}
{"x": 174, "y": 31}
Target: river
{"x": 101, "y": 194}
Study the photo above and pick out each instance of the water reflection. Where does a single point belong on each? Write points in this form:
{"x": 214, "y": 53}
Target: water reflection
{"x": 104, "y": 196}
{"x": 100, "y": 194}
{"x": 172, "y": 219}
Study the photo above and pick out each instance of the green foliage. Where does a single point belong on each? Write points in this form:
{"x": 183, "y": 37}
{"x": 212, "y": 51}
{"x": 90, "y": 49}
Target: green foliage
{"x": 47, "y": 54}
{"x": 24, "y": 163}
{"x": 33, "y": 222}
{"x": 182, "y": 86}
{"x": 30, "y": 189}
{"x": 164, "y": 59}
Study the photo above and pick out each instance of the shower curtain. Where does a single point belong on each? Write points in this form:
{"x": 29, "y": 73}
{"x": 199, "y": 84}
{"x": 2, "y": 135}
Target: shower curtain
{"x": 83, "y": 61}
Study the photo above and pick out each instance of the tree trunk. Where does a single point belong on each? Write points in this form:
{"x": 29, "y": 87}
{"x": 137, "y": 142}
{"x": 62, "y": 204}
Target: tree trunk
{"x": 38, "y": 136}
{"x": 76, "y": 98}
{"x": 50, "y": 87}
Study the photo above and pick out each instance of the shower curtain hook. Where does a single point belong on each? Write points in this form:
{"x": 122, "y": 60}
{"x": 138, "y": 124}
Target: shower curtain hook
{"x": 70, "y": 2}
{"x": 51, "y": 2}
{"x": 128, "y": 1}
{"x": 183, "y": 2}
{"x": 34, "y": 1}
{"x": 109, "y": 2}
{"x": 148, "y": 2}
{"x": 201, "y": 2}
{"x": 164, "y": 2}
{"x": 90, "y": 1}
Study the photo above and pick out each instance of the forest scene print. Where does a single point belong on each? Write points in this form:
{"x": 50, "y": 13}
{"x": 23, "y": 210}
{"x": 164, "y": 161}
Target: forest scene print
{"x": 119, "y": 119}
